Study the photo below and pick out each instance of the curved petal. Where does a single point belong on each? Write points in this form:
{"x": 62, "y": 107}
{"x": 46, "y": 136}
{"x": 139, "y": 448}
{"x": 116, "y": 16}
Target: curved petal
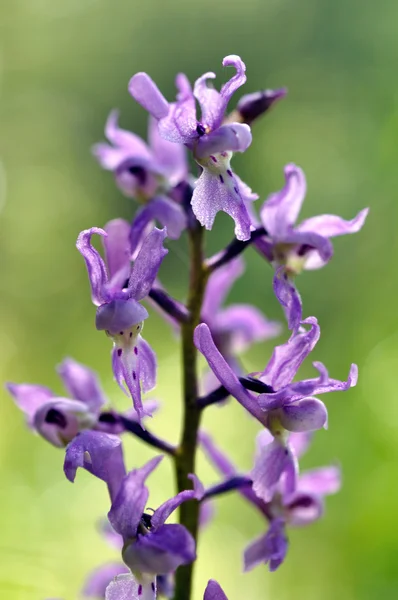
{"x": 162, "y": 513}
{"x": 99, "y": 579}
{"x": 130, "y": 501}
{"x": 61, "y": 419}
{"x": 82, "y": 383}
{"x": 245, "y": 325}
{"x": 299, "y": 442}
{"x": 96, "y": 269}
{"x": 322, "y": 482}
{"x": 333, "y": 225}
{"x": 209, "y": 100}
{"x": 270, "y": 548}
{"x": 308, "y": 414}
{"x": 288, "y": 296}
{"x": 147, "y": 264}
{"x": 100, "y": 454}
{"x": 269, "y": 465}
{"x": 281, "y": 209}
{"x": 287, "y": 358}
{"x": 108, "y": 157}
{"x": 126, "y": 140}
{"x": 205, "y": 344}
{"x": 218, "y": 286}
{"x": 304, "y": 509}
{"x": 29, "y": 398}
{"x": 214, "y": 591}
{"x": 309, "y": 241}
{"x": 145, "y": 92}
{"x": 212, "y": 195}
{"x": 180, "y": 125}
{"x": 171, "y": 157}
{"x": 162, "y": 551}
{"x": 239, "y": 79}
{"x": 234, "y": 137}
{"x": 117, "y": 246}
{"x": 147, "y": 369}
{"x": 169, "y": 214}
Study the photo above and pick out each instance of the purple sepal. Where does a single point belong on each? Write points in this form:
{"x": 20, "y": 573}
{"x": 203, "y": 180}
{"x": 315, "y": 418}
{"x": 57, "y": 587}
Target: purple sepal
{"x": 145, "y": 92}
{"x": 205, "y": 344}
{"x": 308, "y": 414}
{"x": 96, "y": 584}
{"x": 96, "y": 269}
{"x": 323, "y": 481}
{"x": 81, "y": 383}
{"x": 29, "y": 398}
{"x": 100, "y": 454}
{"x": 269, "y": 549}
{"x": 147, "y": 264}
{"x": 214, "y": 591}
{"x": 161, "y": 551}
{"x": 129, "y": 503}
{"x": 117, "y": 247}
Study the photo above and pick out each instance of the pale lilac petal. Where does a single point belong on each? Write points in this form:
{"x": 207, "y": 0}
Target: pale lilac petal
{"x": 323, "y": 481}
{"x": 98, "y": 580}
{"x": 304, "y": 509}
{"x": 125, "y": 587}
{"x": 218, "y": 286}
{"x": 209, "y": 101}
{"x": 29, "y": 398}
{"x": 112, "y": 538}
{"x": 270, "y": 463}
{"x": 335, "y": 385}
{"x": 248, "y": 196}
{"x": 100, "y": 454}
{"x": 130, "y": 501}
{"x": 308, "y": 414}
{"x": 147, "y": 367}
{"x": 333, "y": 225}
{"x": 206, "y": 514}
{"x": 289, "y": 298}
{"x": 117, "y": 246}
{"x": 252, "y": 106}
{"x": 214, "y": 591}
{"x": 281, "y": 209}
{"x": 147, "y": 264}
{"x": 179, "y": 126}
{"x": 205, "y": 344}
{"x": 269, "y": 549}
{"x": 127, "y": 140}
{"x": 169, "y": 214}
{"x": 171, "y": 157}
{"x": 299, "y": 442}
{"x": 61, "y": 419}
{"x": 211, "y": 195}
{"x": 96, "y": 269}
{"x": 245, "y": 325}
{"x": 82, "y": 383}
{"x": 108, "y": 157}
{"x": 161, "y": 551}
{"x": 309, "y": 242}
{"x": 234, "y": 137}
{"x": 145, "y": 92}
{"x": 127, "y": 372}
{"x": 287, "y": 358}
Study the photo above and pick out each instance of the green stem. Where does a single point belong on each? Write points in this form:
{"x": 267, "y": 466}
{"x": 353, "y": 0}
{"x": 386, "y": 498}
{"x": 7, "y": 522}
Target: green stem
{"x": 186, "y": 452}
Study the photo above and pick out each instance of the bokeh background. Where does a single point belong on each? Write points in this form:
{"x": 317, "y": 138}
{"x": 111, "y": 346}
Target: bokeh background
{"x": 64, "y": 65}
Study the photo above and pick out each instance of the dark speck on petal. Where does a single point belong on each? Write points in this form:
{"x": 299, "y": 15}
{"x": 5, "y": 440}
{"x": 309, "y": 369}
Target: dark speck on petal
{"x": 135, "y": 350}
{"x": 134, "y": 375}
{"x": 119, "y": 352}
{"x": 221, "y": 178}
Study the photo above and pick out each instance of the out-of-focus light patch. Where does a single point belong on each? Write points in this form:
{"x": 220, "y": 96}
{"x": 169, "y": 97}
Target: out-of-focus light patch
{"x": 378, "y": 381}
{"x": 59, "y": 9}
{"x": 3, "y": 184}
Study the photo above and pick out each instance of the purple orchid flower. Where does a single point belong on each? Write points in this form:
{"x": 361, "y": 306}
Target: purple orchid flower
{"x": 146, "y": 173}
{"x": 59, "y": 419}
{"x": 303, "y": 507}
{"x": 150, "y": 546}
{"x": 212, "y": 142}
{"x": 303, "y": 246}
{"x": 119, "y": 312}
{"x": 126, "y": 587}
{"x": 291, "y": 408}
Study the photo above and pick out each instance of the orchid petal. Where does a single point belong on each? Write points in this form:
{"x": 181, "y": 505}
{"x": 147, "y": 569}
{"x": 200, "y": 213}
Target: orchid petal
{"x": 147, "y": 264}
{"x": 145, "y": 91}
{"x": 96, "y": 269}
{"x": 82, "y": 383}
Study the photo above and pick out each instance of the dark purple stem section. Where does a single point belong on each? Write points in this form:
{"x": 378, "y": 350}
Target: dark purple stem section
{"x": 233, "y": 249}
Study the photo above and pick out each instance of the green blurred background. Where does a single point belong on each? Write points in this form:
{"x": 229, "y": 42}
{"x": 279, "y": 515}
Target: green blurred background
{"x": 64, "y": 65}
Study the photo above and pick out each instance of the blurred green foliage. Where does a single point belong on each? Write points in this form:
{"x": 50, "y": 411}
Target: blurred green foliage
{"x": 64, "y": 65}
